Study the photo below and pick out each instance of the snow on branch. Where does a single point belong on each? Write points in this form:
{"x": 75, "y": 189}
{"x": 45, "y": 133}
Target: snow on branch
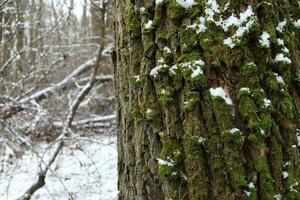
{"x": 67, "y": 125}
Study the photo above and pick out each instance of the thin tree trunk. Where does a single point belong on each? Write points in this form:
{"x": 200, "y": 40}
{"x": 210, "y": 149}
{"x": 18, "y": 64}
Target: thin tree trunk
{"x": 208, "y": 108}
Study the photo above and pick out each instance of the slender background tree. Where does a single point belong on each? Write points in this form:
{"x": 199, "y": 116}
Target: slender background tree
{"x": 208, "y": 99}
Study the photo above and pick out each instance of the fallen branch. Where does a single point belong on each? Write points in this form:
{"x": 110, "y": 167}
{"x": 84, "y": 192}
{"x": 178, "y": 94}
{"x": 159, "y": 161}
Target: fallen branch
{"x": 86, "y": 122}
{"x": 7, "y": 112}
{"x": 69, "y": 119}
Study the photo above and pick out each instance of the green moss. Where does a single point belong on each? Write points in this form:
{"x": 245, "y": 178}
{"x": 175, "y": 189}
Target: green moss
{"x": 188, "y": 39}
{"x": 151, "y": 114}
{"x": 135, "y": 113}
{"x": 166, "y": 97}
{"x": 139, "y": 81}
{"x": 175, "y": 11}
{"x": 246, "y": 105}
{"x": 222, "y": 112}
{"x": 287, "y": 107}
{"x": 266, "y": 180}
{"x": 132, "y": 21}
{"x": 272, "y": 82}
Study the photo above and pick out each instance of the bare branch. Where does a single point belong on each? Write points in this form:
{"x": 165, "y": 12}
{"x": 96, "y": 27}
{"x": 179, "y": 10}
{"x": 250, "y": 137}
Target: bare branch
{"x": 69, "y": 119}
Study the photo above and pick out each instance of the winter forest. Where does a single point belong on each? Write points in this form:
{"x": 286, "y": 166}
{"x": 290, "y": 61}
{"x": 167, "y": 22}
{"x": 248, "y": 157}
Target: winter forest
{"x": 150, "y": 99}
{"x": 57, "y": 100}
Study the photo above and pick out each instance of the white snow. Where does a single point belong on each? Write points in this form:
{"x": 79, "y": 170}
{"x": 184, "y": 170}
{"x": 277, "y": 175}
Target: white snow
{"x": 297, "y": 23}
{"x": 285, "y": 174}
{"x": 229, "y": 42}
{"x": 159, "y": 1}
{"x": 281, "y": 58}
{"x": 186, "y": 3}
{"x": 279, "y": 79}
{"x": 234, "y": 131}
{"x": 267, "y": 102}
{"x": 173, "y": 69}
{"x": 247, "y": 193}
{"x": 148, "y": 25}
{"x": 164, "y": 162}
{"x": 298, "y": 137}
{"x": 137, "y": 78}
{"x": 280, "y": 41}
{"x": 281, "y": 25}
{"x": 245, "y": 89}
{"x": 155, "y": 71}
{"x": 87, "y": 169}
{"x": 251, "y": 185}
{"x": 277, "y": 197}
{"x": 167, "y": 50}
{"x": 264, "y": 39}
{"x": 201, "y": 140}
{"x": 196, "y": 72}
{"x": 286, "y": 50}
{"x": 220, "y": 92}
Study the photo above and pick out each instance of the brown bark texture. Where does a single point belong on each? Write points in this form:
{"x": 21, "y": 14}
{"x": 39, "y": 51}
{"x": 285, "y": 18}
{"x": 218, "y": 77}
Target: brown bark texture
{"x": 208, "y": 99}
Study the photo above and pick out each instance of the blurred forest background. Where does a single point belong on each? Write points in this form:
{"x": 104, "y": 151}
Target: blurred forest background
{"x": 57, "y": 101}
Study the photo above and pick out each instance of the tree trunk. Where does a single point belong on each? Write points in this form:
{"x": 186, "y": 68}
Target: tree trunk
{"x": 208, "y": 99}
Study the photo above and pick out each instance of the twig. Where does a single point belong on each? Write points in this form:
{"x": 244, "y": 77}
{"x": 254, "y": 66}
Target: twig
{"x": 69, "y": 119}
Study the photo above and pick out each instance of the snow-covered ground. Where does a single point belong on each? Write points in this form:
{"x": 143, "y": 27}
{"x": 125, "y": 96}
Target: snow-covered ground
{"x": 85, "y": 169}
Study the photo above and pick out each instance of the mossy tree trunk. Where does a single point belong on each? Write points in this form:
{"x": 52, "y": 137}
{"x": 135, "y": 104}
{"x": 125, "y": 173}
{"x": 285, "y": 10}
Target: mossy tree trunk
{"x": 208, "y": 99}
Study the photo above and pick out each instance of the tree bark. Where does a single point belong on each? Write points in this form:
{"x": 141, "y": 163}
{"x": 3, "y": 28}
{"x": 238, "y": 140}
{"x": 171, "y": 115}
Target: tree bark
{"x": 208, "y": 99}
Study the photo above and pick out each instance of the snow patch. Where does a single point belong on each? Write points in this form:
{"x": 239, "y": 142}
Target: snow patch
{"x": 167, "y": 163}
{"x": 277, "y": 197}
{"x": 279, "y": 78}
{"x": 148, "y": 25}
{"x": 267, "y": 102}
{"x": 186, "y": 3}
{"x": 229, "y": 42}
{"x": 297, "y": 23}
{"x": 158, "y": 1}
{"x": 264, "y": 39}
{"x": 280, "y": 42}
{"x": 285, "y": 174}
{"x": 281, "y": 25}
{"x": 220, "y": 92}
{"x": 298, "y": 137}
{"x": 281, "y": 58}
{"x": 251, "y": 185}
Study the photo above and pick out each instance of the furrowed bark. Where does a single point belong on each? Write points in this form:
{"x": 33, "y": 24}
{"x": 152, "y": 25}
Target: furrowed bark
{"x": 225, "y": 128}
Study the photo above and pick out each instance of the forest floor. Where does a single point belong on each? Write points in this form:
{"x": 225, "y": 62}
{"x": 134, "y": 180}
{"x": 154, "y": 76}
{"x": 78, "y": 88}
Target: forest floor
{"x": 86, "y": 169}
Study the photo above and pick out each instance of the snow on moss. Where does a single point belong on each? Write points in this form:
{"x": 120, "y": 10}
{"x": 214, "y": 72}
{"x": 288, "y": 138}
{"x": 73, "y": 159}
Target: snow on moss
{"x": 264, "y": 40}
{"x": 281, "y": 25}
{"x": 277, "y": 197}
{"x": 298, "y": 137}
{"x": 220, "y": 92}
{"x": 235, "y": 131}
{"x": 279, "y": 79}
{"x": 186, "y": 3}
{"x": 229, "y": 42}
{"x": 166, "y": 163}
{"x": 285, "y": 50}
{"x": 245, "y": 89}
{"x": 282, "y": 58}
{"x": 155, "y": 71}
{"x": 297, "y": 23}
{"x": 280, "y": 42}
{"x": 159, "y": 1}
{"x": 148, "y": 25}
{"x": 251, "y": 185}
{"x": 267, "y": 102}
{"x": 167, "y": 50}
{"x": 285, "y": 174}
{"x": 173, "y": 70}
{"x": 196, "y": 72}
